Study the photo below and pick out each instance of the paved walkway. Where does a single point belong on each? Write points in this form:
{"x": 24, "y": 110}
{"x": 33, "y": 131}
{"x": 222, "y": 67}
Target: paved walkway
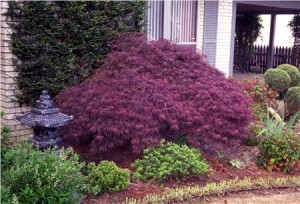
{"x": 242, "y": 76}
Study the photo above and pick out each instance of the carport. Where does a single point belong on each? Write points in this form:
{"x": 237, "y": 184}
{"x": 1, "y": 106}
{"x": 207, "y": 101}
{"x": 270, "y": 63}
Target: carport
{"x": 273, "y": 8}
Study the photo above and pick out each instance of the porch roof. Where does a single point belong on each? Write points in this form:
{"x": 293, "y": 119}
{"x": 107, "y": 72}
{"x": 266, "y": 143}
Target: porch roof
{"x": 268, "y": 7}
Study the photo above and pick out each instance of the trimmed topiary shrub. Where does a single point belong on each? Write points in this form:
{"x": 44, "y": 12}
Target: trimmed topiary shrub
{"x": 292, "y": 100}
{"x": 279, "y": 80}
{"x": 146, "y": 91}
{"x": 293, "y": 72}
{"x": 169, "y": 160}
{"x": 107, "y": 177}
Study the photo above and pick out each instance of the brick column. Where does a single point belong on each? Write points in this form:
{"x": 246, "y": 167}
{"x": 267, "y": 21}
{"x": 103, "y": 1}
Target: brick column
{"x": 224, "y": 32}
{"x": 9, "y": 88}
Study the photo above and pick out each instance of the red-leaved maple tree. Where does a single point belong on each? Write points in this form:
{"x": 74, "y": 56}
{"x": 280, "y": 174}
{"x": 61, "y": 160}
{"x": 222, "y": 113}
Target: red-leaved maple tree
{"x": 146, "y": 91}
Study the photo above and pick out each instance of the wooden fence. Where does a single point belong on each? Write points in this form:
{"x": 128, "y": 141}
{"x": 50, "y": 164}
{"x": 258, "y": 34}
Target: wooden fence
{"x": 259, "y": 57}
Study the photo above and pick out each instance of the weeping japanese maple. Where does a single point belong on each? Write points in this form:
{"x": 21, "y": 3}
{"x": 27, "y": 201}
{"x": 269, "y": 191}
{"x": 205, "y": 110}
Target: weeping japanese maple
{"x": 146, "y": 91}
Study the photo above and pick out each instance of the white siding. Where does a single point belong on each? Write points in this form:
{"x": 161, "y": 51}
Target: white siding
{"x": 200, "y": 24}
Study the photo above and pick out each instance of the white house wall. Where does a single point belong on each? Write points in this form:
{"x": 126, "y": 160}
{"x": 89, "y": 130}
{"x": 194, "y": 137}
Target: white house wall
{"x": 217, "y": 42}
{"x": 200, "y": 25}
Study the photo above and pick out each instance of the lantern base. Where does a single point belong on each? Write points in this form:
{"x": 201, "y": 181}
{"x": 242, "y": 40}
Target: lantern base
{"x": 45, "y": 144}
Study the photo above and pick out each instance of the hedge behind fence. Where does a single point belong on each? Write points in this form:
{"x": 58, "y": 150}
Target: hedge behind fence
{"x": 60, "y": 43}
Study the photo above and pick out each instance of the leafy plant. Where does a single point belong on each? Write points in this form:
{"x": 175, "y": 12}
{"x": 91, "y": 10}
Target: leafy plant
{"x": 293, "y": 72}
{"x": 278, "y": 127}
{"x": 30, "y": 176}
{"x": 62, "y": 42}
{"x": 232, "y": 162}
{"x": 107, "y": 177}
{"x": 260, "y": 93}
{"x": 280, "y": 148}
{"x": 169, "y": 160}
{"x": 235, "y": 163}
{"x": 261, "y": 98}
{"x": 153, "y": 90}
{"x": 280, "y": 152}
{"x": 279, "y": 80}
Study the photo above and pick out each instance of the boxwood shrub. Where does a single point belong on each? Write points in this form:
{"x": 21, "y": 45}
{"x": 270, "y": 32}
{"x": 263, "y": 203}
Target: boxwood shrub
{"x": 278, "y": 79}
{"x": 292, "y": 100}
{"x": 31, "y": 176}
{"x": 107, "y": 177}
{"x": 293, "y": 72}
{"x": 169, "y": 160}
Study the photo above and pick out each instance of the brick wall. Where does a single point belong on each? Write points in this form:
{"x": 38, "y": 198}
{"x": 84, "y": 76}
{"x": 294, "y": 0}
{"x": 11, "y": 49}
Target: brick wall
{"x": 9, "y": 88}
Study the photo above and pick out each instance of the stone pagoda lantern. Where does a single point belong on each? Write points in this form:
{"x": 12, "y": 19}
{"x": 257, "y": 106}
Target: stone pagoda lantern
{"x": 44, "y": 119}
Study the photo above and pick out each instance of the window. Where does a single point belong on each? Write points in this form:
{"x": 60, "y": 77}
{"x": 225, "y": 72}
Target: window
{"x": 173, "y": 20}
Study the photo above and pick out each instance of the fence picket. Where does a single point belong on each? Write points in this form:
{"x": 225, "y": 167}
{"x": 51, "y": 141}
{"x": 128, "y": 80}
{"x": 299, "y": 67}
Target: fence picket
{"x": 282, "y": 55}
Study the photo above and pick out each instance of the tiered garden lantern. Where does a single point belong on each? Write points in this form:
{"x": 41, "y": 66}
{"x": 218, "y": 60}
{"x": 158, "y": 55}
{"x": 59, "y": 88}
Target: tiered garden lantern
{"x": 45, "y": 119}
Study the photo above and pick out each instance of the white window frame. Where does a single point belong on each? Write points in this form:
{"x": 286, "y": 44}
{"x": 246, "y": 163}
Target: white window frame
{"x": 167, "y": 24}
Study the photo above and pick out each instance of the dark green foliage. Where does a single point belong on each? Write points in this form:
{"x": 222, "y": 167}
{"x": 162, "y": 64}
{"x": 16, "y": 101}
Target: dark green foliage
{"x": 61, "y": 43}
{"x": 5, "y": 143}
{"x": 294, "y": 24}
{"x": 292, "y": 100}
{"x": 277, "y": 79}
{"x": 247, "y": 30}
{"x": 293, "y": 72}
{"x": 107, "y": 177}
{"x": 29, "y": 176}
{"x": 169, "y": 160}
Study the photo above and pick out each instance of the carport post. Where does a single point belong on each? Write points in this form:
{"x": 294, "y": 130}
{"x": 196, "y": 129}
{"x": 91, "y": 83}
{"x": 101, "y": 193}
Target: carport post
{"x": 271, "y": 42}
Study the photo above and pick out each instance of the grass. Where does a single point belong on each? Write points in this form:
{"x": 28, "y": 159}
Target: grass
{"x": 190, "y": 192}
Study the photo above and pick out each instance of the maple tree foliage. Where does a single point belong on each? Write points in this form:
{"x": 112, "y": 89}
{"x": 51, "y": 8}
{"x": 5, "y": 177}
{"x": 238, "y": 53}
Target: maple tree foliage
{"x": 146, "y": 91}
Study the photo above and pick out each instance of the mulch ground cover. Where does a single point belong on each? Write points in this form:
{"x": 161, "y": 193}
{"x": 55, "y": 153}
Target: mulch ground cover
{"x": 220, "y": 169}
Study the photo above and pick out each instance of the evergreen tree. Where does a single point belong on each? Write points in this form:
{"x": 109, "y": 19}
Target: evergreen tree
{"x": 59, "y": 44}
{"x": 247, "y": 30}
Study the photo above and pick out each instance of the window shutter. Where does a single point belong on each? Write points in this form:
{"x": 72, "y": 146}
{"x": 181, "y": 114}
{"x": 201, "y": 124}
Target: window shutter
{"x": 210, "y": 30}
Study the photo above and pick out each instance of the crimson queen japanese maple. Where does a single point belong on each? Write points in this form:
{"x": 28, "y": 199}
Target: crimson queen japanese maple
{"x": 146, "y": 91}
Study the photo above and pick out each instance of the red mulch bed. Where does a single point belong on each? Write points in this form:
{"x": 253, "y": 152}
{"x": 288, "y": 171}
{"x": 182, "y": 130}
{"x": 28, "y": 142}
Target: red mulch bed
{"x": 220, "y": 170}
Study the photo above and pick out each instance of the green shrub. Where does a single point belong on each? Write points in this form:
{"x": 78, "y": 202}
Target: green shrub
{"x": 293, "y": 72}
{"x": 280, "y": 152}
{"x": 169, "y": 160}
{"x": 107, "y": 177}
{"x": 255, "y": 129}
{"x": 292, "y": 100}
{"x": 277, "y": 79}
{"x": 60, "y": 43}
{"x": 260, "y": 93}
{"x": 31, "y": 176}
{"x": 259, "y": 112}
{"x": 280, "y": 147}
{"x": 6, "y": 144}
